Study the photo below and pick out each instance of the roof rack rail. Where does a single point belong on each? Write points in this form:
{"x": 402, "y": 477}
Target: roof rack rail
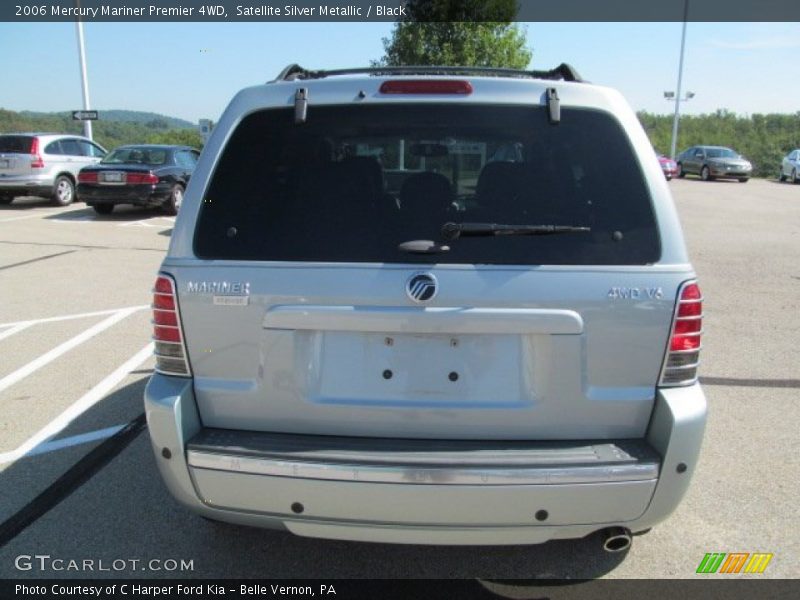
{"x": 563, "y": 71}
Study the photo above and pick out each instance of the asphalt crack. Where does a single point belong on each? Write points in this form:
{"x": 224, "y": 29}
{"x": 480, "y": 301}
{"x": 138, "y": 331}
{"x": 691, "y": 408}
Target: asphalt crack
{"x": 33, "y": 260}
{"x": 743, "y": 382}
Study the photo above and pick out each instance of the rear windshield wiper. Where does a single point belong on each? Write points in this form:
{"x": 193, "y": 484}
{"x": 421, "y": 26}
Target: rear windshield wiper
{"x": 453, "y": 231}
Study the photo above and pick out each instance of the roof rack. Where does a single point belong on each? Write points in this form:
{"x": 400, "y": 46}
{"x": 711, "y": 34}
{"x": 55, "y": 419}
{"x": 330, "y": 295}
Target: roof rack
{"x": 563, "y": 72}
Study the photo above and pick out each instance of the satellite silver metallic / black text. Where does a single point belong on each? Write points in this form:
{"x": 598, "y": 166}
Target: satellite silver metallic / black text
{"x": 291, "y": 10}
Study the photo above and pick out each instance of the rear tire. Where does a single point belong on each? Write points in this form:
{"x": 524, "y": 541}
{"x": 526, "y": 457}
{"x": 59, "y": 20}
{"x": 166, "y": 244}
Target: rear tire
{"x": 781, "y": 175}
{"x": 681, "y": 172}
{"x": 705, "y": 174}
{"x": 744, "y": 179}
{"x": 63, "y": 191}
{"x": 103, "y": 209}
{"x": 173, "y": 203}
{"x": 6, "y": 199}
{"x": 794, "y": 176}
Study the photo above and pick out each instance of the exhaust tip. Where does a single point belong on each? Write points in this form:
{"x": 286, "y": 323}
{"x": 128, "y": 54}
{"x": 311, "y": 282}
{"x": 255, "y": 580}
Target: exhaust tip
{"x": 616, "y": 539}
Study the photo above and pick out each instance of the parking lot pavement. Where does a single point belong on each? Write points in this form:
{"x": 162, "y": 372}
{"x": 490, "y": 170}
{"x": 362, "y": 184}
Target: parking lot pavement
{"x": 73, "y": 328}
{"x": 74, "y": 337}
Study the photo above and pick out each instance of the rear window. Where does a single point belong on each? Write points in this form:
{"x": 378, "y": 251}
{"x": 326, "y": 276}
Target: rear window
{"x": 71, "y": 148}
{"x": 136, "y": 156}
{"x": 721, "y": 153}
{"x": 353, "y": 183}
{"x": 16, "y": 144}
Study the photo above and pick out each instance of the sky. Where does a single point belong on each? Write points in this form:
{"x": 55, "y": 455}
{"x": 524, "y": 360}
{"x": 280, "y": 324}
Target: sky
{"x": 192, "y": 70}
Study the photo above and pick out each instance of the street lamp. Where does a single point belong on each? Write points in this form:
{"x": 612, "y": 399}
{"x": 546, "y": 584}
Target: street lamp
{"x": 676, "y": 96}
{"x": 673, "y": 98}
{"x": 87, "y": 124}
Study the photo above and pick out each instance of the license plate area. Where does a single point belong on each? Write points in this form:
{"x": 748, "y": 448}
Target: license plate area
{"x": 420, "y": 369}
{"x": 5, "y": 163}
{"x": 112, "y": 177}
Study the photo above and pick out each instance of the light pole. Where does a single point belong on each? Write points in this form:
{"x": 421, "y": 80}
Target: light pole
{"x": 87, "y": 124}
{"x": 677, "y": 94}
{"x": 677, "y": 100}
{"x": 671, "y": 96}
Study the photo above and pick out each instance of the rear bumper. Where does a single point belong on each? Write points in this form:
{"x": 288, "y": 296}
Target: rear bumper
{"x": 27, "y": 185}
{"x": 670, "y": 172}
{"x": 138, "y": 195}
{"x": 486, "y": 501}
{"x": 733, "y": 174}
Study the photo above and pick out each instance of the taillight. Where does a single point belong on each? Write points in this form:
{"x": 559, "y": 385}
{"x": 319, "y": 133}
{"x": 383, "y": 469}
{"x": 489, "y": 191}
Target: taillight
{"x": 90, "y": 177}
{"x": 170, "y": 349}
{"x": 683, "y": 352}
{"x": 133, "y": 178}
{"x": 36, "y": 159}
{"x": 426, "y": 86}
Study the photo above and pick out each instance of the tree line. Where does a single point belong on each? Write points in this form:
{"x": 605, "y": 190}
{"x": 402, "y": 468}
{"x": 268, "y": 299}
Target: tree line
{"x": 108, "y": 134}
{"x": 763, "y": 139}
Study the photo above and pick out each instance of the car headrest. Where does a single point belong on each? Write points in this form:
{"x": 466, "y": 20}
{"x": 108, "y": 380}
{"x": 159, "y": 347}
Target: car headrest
{"x": 426, "y": 192}
{"x": 497, "y": 178}
{"x": 366, "y": 167}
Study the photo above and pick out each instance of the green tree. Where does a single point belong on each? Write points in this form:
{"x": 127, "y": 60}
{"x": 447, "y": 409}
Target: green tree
{"x": 108, "y": 134}
{"x": 763, "y": 139}
{"x": 474, "y": 33}
{"x": 184, "y": 137}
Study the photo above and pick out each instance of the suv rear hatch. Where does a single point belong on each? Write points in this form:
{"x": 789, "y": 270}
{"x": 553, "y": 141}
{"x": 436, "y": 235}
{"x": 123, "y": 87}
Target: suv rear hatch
{"x": 306, "y": 313}
{"x": 18, "y": 153}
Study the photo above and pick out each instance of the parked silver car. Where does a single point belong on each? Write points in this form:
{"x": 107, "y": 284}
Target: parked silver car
{"x": 712, "y": 162}
{"x": 790, "y": 167}
{"x": 44, "y": 164}
{"x": 371, "y": 326}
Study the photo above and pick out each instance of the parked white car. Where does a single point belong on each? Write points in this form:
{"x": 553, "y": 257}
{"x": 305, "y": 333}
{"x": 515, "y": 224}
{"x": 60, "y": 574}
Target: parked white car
{"x": 44, "y": 164}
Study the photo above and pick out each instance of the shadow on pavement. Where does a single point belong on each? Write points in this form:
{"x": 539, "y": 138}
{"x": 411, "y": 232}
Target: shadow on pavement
{"x": 29, "y": 203}
{"x": 120, "y": 214}
{"x": 24, "y": 479}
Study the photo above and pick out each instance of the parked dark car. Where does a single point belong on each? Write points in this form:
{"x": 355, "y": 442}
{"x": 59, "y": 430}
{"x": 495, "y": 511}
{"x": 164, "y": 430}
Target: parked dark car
{"x": 711, "y": 162}
{"x": 668, "y": 166}
{"x": 142, "y": 175}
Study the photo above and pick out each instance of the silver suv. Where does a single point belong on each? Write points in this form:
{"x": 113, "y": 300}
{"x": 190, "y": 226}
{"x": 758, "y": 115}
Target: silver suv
{"x": 410, "y": 305}
{"x": 44, "y": 164}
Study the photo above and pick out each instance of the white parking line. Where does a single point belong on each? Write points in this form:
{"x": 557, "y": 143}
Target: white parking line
{"x": 53, "y": 354}
{"x": 14, "y": 329}
{"x": 141, "y": 223}
{"x": 75, "y": 440}
{"x": 83, "y": 404}
{"x": 96, "y": 313}
{"x": 148, "y": 222}
{"x": 81, "y": 219}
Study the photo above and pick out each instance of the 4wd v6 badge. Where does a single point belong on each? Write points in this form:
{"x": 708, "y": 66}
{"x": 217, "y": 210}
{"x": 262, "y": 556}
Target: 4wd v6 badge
{"x": 624, "y": 293}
